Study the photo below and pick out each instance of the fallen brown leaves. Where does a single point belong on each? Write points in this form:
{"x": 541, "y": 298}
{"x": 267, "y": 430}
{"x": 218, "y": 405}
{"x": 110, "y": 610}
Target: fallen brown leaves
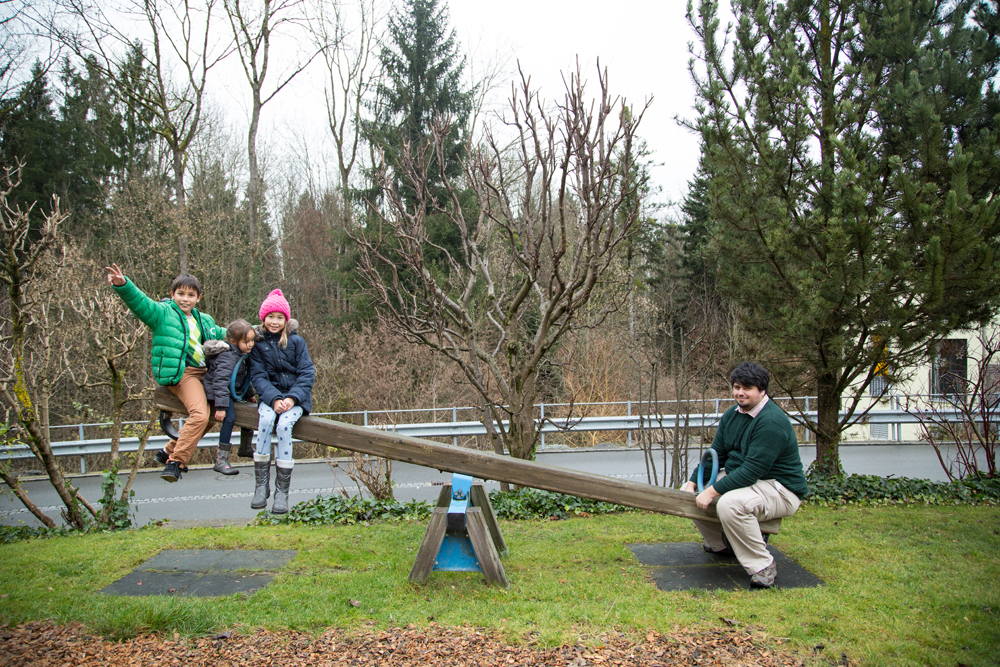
{"x": 46, "y": 644}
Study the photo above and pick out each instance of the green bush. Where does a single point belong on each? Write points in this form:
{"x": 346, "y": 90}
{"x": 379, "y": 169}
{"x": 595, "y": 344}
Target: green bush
{"x": 339, "y": 510}
{"x": 11, "y": 534}
{"x": 869, "y": 489}
{"x": 536, "y": 504}
{"x": 121, "y": 513}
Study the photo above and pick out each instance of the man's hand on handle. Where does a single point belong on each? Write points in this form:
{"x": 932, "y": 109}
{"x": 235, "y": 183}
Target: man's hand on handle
{"x": 704, "y": 498}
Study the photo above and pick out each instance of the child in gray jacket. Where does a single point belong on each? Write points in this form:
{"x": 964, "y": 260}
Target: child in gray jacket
{"x": 228, "y": 381}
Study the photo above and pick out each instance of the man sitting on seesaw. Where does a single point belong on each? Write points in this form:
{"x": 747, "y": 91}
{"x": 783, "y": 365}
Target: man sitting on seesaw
{"x": 763, "y": 475}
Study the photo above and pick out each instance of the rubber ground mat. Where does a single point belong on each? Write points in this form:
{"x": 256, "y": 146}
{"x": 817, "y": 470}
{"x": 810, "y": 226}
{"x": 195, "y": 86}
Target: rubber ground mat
{"x": 681, "y": 566}
{"x": 202, "y": 572}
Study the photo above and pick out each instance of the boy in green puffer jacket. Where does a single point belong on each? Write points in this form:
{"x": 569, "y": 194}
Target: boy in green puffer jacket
{"x": 179, "y": 330}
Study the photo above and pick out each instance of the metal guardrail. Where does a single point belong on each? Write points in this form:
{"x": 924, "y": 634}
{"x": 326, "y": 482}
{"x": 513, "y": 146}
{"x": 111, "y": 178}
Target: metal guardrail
{"x": 456, "y": 429}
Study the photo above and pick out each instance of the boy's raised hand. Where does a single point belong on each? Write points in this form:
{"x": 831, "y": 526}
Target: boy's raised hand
{"x": 115, "y": 275}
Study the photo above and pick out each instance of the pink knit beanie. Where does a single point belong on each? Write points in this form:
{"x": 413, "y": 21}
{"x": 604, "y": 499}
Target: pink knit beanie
{"x": 275, "y": 303}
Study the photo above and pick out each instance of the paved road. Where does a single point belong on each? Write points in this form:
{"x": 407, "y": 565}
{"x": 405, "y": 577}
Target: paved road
{"x": 204, "y": 495}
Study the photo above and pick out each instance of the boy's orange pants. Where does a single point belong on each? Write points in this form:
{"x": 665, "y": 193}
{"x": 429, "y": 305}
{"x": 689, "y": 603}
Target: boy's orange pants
{"x": 191, "y": 393}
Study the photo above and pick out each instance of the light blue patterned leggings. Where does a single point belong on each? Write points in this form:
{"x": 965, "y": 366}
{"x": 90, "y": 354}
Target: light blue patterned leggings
{"x": 286, "y": 420}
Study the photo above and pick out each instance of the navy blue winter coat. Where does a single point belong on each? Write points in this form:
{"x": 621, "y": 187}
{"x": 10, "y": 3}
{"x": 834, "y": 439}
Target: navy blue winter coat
{"x": 280, "y": 373}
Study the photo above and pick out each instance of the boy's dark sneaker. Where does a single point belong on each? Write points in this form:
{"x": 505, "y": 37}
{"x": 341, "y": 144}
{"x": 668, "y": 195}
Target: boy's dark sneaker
{"x": 162, "y": 457}
{"x": 172, "y": 472}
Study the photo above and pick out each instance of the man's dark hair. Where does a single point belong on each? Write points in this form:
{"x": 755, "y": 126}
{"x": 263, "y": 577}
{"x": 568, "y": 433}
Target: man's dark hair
{"x": 750, "y": 374}
{"x": 185, "y": 280}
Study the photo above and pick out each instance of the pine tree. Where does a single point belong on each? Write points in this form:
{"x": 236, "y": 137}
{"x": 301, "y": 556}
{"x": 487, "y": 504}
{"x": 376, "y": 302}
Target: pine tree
{"x": 30, "y": 134}
{"x": 90, "y": 133}
{"x": 423, "y": 79}
{"x": 853, "y": 151}
{"x": 700, "y": 270}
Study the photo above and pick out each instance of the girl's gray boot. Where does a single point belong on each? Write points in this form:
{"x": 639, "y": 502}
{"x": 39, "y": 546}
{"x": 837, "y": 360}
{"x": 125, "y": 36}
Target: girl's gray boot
{"x": 262, "y": 477}
{"x": 222, "y": 461}
{"x": 282, "y": 480}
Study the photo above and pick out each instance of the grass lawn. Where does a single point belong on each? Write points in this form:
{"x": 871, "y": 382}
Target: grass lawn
{"x": 905, "y": 585}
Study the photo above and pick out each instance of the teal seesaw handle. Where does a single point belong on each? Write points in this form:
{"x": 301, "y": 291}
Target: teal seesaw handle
{"x": 701, "y": 469}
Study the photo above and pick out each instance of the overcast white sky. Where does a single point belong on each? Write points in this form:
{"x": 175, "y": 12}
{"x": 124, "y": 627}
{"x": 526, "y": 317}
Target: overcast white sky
{"x": 643, "y": 44}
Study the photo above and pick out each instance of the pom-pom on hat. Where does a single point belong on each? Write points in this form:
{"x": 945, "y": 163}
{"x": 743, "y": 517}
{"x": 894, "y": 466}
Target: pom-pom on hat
{"x": 275, "y": 303}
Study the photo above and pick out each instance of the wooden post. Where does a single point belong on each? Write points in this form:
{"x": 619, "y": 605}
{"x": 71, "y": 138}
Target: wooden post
{"x": 444, "y": 498}
{"x": 429, "y": 546}
{"x": 481, "y": 499}
{"x": 486, "y": 552}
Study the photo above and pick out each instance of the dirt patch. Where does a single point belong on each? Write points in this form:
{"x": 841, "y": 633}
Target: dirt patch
{"x": 44, "y": 644}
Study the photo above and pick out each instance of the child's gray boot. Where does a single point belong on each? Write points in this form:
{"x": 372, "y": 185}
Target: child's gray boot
{"x": 282, "y": 480}
{"x": 262, "y": 478}
{"x": 222, "y": 461}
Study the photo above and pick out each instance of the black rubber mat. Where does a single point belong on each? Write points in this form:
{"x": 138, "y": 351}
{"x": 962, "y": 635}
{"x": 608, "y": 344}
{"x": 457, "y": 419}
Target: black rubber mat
{"x": 202, "y": 572}
{"x": 681, "y": 566}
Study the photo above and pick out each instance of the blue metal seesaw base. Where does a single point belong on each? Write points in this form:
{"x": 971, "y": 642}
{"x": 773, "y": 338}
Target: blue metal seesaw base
{"x": 462, "y": 535}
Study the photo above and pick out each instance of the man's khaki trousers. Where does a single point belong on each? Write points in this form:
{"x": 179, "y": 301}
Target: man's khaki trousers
{"x": 741, "y": 511}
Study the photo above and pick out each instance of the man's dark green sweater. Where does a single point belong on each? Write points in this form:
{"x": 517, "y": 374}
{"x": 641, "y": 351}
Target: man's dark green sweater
{"x": 755, "y": 448}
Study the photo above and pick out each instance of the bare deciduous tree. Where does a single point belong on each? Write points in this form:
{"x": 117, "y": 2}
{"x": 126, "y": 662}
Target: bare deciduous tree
{"x": 968, "y": 419}
{"x": 368, "y": 472}
{"x": 25, "y": 382}
{"x": 179, "y": 34}
{"x": 19, "y": 46}
{"x": 353, "y": 69}
{"x": 255, "y": 23}
{"x": 112, "y": 339}
{"x": 551, "y": 214}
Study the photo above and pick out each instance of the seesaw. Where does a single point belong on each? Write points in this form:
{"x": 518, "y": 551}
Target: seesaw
{"x": 482, "y": 531}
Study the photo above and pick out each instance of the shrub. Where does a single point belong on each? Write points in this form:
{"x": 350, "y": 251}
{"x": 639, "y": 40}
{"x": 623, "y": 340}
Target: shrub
{"x": 869, "y": 489}
{"x": 536, "y": 504}
{"x": 325, "y": 510}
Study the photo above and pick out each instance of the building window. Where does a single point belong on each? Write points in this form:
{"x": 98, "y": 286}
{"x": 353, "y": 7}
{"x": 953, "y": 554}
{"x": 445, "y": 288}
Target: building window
{"x": 879, "y": 386}
{"x": 950, "y": 367}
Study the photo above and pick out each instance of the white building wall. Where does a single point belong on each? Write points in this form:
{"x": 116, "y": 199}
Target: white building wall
{"x": 918, "y": 385}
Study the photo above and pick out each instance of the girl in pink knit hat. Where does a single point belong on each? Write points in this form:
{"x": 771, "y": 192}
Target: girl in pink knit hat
{"x": 282, "y": 374}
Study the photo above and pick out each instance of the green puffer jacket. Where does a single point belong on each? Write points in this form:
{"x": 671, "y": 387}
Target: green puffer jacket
{"x": 170, "y": 331}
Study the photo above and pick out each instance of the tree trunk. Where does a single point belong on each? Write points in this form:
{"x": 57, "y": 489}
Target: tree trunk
{"x": 180, "y": 197}
{"x": 253, "y": 188}
{"x": 143, "y": 439}
{"x": 34, "y": 435}
{"x": 15, "y": 487}
{"x": 827, "y": 424}
{"x": 117, "y": 409}
{"x": 523, "y": 432}
{"x": 118, "y": 402}
{"x": 827, "y": 390}
{"x": 486, "y": 417}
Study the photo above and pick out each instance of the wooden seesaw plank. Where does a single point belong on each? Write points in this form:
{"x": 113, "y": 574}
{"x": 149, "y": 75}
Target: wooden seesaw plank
{"x": 485, "y": 465}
